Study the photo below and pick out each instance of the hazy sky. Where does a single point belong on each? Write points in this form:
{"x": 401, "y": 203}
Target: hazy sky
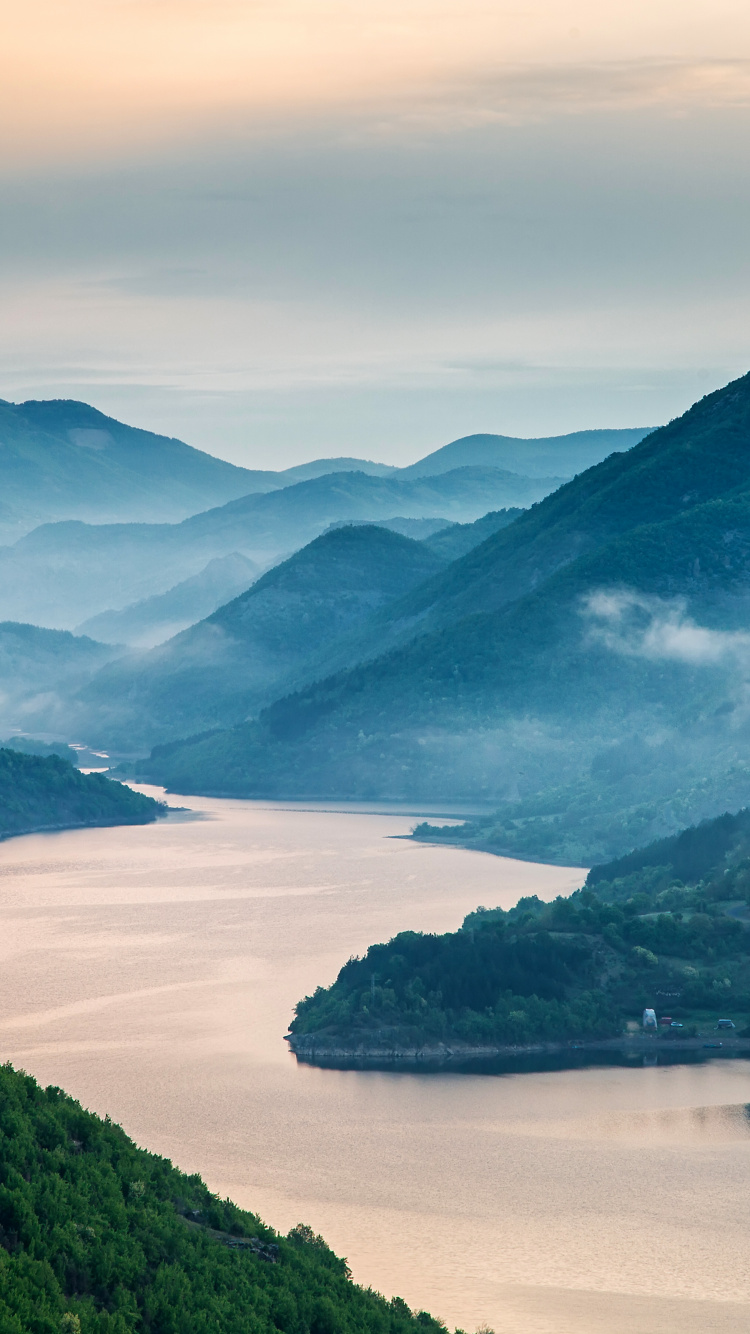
{"x": 308, "y": 227}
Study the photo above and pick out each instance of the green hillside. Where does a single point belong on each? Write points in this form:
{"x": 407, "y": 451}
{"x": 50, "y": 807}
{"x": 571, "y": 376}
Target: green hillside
{"x": 609, "y": 615}
{"x": 47, "y": 792}
{"x": 101, "y": 1237}
{"x": 577, "y": 969}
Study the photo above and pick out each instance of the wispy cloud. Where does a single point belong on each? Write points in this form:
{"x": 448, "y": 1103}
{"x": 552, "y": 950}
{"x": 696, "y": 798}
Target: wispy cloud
{"x": 527, "y": 93}
{"x": 646, "y": 627}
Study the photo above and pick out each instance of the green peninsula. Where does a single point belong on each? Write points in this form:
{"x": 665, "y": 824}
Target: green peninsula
{"x": 98, "y": 1236}
{"x": 666, "y": 927}
{"x": 41, "y": 792}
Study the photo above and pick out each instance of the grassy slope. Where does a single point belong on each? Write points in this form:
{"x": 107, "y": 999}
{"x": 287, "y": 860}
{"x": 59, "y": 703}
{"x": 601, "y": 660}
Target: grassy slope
{"x": 101, "y": 1237}
{"x": 577, "y": 968}
{"x": 38, "y": 792}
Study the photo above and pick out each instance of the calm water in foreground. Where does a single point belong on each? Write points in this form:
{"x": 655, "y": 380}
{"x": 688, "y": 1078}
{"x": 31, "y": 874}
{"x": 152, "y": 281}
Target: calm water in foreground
{"x": 152, "y": 973}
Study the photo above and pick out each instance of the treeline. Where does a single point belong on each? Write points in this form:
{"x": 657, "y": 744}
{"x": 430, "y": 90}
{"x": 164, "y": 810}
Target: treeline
{"x": 98, "y": 1236}
{"x": 47, "y": 792}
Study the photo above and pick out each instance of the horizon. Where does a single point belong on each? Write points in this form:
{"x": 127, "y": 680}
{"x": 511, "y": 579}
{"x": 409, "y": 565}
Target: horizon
{"x": 418, "y": 457}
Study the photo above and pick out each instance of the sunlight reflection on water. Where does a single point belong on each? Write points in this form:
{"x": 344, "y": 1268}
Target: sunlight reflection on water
{"x": 152, "y": 972}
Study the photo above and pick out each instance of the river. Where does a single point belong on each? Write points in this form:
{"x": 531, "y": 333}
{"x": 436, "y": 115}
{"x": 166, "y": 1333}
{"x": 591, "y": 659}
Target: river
{"x": 152, "y": 971}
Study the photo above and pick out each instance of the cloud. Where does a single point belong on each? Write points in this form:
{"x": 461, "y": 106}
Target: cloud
{"x": 517, "y": 94}
{"x": 630, "y": 623}
{"x": 281, "y": 229}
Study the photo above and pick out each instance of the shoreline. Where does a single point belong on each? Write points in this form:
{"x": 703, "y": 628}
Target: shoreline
{"x": 77, "y": 824}
{"x": 322, "y": 1050}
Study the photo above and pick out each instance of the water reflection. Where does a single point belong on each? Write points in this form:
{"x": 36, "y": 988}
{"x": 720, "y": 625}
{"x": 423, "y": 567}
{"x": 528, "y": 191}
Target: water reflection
{"x": 152, "y": 971}
{"x": 535, "y": 1062}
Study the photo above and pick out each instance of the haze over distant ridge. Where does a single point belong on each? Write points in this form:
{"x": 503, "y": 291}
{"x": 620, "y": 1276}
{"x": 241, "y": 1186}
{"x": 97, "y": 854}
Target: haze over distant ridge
{"x": 134, "y": 514}
{"x": 61, "y": 459}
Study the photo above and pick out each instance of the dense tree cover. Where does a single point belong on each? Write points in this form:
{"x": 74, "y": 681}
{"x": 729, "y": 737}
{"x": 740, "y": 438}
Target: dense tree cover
{"x": 504, "y": 977}
{"x": 579, "y": 967}
{"x": 633, "y": 792}
{"x": 98, "y": 1236}
{"x": 713, "y": 850}
{"x": 47, "y": 792}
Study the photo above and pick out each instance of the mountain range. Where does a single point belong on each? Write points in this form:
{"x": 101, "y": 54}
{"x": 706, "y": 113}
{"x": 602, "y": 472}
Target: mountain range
{"x": 62, "y": 574}
{"x": 61, "y": 459}
{"x": 303, "y": 615}
{"x": 586, "y": 666}
{"x": 153, "y": 620}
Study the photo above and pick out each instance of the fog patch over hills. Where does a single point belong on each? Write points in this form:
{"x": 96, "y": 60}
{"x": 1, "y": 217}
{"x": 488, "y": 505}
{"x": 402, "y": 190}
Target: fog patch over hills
{"x": 647, "y": 627}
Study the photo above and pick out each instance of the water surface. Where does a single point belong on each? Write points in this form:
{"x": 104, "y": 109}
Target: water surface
{"x": 152, "y": 972}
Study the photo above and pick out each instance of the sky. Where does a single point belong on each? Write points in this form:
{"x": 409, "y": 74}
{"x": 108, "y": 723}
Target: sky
{"x": 291, "y": 228}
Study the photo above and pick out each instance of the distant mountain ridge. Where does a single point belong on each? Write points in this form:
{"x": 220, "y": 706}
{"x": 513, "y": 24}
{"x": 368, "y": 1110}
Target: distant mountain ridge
{"x": 61, "y": 574}
{"x": 240, "y": 657}
{"x": 558, "y": 454}
{"x": 152, "y": 620}
{"x": 61, "y": 459}
{"x": 40, "y": 670}
{"x": 586, "y": 665}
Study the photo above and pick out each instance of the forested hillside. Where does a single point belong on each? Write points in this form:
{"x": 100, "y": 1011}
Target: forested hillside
{"x": 47, "y": 792}
{"x": 667, "y": 927}
{"x": 460, "y": 538}
{"x": 584, "y": 665}
{"x": 274, "y": 634}
{"x": 101, "y": 1237}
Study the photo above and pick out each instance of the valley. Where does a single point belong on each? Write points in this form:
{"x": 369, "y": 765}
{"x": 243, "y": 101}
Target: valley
{"x": 497, "y": 662}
